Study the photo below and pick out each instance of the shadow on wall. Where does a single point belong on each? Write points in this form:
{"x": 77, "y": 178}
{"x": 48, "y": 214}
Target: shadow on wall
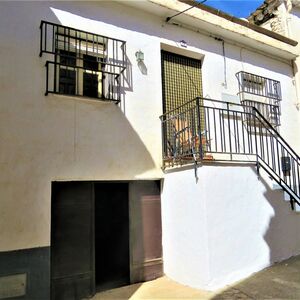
{"x": 103, "y": 136}
{"x": 296, "y": 12}
{"x": 143, "y": 67}
{"x": 104, "y": 144}
{"x": 282, "y": 235}
{"x": 249, "y": 222}
{"x": 126, "y": 82}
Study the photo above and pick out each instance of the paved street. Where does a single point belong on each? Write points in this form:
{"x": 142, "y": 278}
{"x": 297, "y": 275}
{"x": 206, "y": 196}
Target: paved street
{"x": 281, "y": 281}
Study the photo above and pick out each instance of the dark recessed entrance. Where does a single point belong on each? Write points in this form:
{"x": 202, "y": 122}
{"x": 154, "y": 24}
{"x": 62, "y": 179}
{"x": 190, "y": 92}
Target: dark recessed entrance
{"x": 89, "y": 238}
{"x": 111, "y": 235}
{"x": 92, "y": 248}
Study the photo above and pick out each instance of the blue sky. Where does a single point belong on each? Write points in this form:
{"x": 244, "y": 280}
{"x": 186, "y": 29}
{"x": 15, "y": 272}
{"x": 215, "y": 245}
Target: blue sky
{"x": 237, "y": 8}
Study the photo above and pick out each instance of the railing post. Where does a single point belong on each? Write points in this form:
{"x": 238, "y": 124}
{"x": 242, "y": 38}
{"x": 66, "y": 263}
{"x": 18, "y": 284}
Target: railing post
{"x": 199, "y": 127}
{"x": 230, "y": 147}
{"x": 298, "y": 183}
{"x": 41, "y": 39}
{"x": 164, "y": 154}
{"x": 45, "y": 37}
{"x": 253, "y": 114}
{"x": 47, "y": 78}
{"x": 55, "y": 74}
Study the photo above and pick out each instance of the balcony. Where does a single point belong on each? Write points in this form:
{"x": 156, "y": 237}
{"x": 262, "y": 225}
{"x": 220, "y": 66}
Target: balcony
{"x": 211, "y": 130}
{"x": 82, "y": 63}
{"x": 205, "y": 129}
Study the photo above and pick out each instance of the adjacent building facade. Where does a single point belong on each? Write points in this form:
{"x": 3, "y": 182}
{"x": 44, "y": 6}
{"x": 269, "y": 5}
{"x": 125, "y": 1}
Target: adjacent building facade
{"x": 281, "y": 16}
{"x": 130, "y": 147}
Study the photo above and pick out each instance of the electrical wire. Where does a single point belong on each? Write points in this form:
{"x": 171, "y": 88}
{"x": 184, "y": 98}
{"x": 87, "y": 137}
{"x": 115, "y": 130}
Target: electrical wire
{"x": 197, "y": 3}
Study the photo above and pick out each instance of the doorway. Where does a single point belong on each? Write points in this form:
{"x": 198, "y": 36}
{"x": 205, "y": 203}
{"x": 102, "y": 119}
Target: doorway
{"x": 89, "y": 238}
{"x": 183, "y": 121}
{"x": 111, "y": 235}
{"x": 104, "y": 235}
{"x": 181, "y": 79}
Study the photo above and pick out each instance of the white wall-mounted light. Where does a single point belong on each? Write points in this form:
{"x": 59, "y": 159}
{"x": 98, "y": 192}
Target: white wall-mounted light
{"x": 139, "y": 56}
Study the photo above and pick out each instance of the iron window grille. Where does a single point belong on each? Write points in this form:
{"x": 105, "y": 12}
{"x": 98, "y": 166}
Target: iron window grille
{"x": 82, "y": 63}
{"x": 262, "y": 93}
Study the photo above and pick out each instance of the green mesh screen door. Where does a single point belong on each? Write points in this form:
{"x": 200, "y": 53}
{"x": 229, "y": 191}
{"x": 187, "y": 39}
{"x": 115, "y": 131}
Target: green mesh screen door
{"x": 181, "y": 79}
{"x": 181, "y": 83}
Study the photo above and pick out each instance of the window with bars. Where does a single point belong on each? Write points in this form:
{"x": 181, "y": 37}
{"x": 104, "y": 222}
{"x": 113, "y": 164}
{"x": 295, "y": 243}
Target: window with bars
{"x": 82, "y": 63}
{"x": 262, "y": 93}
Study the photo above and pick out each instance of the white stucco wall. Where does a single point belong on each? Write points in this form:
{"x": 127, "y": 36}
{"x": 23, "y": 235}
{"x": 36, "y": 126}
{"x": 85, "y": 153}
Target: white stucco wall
{"x": 47, "y": 138}
{"x": 238, "y": 223}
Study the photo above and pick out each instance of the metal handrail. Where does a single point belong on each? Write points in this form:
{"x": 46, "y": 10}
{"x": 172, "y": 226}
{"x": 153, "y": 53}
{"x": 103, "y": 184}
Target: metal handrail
{"x": 194, "y": 131}
{"x": 203, "y": 98}
{"x": 275, "y": 132}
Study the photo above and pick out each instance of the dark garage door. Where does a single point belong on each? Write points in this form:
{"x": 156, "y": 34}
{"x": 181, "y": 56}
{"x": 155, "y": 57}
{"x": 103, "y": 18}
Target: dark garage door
{"x": 72, "y": 240}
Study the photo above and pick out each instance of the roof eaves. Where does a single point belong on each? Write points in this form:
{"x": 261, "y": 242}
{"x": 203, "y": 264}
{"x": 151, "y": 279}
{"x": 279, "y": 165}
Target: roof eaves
{"x": 241, "y": 22}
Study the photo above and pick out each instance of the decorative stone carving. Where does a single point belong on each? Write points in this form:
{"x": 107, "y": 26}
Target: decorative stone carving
{"x": 276, "y": 24}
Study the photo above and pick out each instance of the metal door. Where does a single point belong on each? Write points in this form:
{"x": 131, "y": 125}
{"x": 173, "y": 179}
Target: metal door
{"x": 145, "y": 230}
{"x": 72, "y": 240}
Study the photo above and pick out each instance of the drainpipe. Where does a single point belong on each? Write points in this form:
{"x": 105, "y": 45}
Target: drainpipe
{"x": 224, "y": 84}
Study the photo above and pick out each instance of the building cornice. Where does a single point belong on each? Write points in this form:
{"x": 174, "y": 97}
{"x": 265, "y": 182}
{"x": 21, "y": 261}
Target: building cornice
{"x": 215, "y": 23}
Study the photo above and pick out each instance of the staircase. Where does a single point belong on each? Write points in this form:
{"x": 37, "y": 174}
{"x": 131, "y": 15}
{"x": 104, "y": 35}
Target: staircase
{"x": 281, "y": 162}
{"x": 212, "y": 130}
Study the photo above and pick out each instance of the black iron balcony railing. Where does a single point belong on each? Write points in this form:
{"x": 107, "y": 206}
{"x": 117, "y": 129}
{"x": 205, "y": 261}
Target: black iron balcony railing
{"x": 262, "y": 93}
{"x": 205, "y": 129}
{"x": 81, "y": 60}
{"x": 80, "y": 81}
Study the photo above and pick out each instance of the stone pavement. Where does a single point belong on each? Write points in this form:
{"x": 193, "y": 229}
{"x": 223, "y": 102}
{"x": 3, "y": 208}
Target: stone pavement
{"x": 281, "y": 281}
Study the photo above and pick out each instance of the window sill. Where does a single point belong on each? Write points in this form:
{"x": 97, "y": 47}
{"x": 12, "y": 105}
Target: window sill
{"x": 83, "y": 98}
